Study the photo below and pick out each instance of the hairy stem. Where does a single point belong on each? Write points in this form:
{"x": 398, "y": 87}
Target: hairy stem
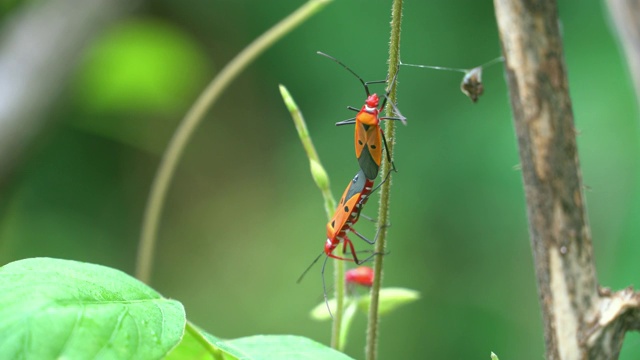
{"x": 192, "y": 119}
{"x": 383, "y": 210}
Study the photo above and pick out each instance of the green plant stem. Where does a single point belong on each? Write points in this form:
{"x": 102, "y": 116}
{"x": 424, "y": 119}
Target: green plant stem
{"x": 383, "y": 210}
{"x": 322, "y": 181}
{"x": 318, "y": 172}
{"x": 336, "y": 329}
{"x": 192, "y": 119}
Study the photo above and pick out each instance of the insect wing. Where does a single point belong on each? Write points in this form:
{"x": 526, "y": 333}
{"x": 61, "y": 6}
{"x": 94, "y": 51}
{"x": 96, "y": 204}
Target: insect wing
{"x": 348, "y": 201}
{"x": 368, "y": 149}
{"x": 356, "y": 186}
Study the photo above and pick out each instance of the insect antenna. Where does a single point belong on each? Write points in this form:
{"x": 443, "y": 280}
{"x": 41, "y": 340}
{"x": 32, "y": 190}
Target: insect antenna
{"x": 309, "y": 268}
{"x": 364, "y": 83}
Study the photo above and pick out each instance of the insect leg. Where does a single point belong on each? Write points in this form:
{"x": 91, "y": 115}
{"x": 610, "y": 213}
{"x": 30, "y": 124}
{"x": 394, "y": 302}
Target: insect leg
{"x": 346, "y": 122}
{"x": 324, "y": 286}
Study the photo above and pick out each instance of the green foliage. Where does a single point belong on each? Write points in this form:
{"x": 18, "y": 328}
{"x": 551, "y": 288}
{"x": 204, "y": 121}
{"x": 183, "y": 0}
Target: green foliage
{"x": 141, "y": 74}
{"x": 54, "y": 308}
{"x": 390, "y": 299}
{"x": 141, "y": 65}
{"x": 192, "y": 348}
{"x": 318, "y": 172}
{"x": 244, "y": 202}
{"x": 7, "y": 6}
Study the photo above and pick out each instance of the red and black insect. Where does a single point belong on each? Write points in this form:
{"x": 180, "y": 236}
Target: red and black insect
{"x": 346, "y": 215}
{"x": 369, "y": 137}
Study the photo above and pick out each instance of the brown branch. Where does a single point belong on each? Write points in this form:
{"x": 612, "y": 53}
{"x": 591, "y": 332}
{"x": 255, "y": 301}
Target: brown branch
{"x": 579, "y": 321}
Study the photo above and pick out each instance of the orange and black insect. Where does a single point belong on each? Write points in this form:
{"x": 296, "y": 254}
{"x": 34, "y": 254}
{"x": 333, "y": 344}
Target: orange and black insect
{"x": 471, "y": 84}
{"x": 346, "y": 215}
{"x": 369, "y": 137}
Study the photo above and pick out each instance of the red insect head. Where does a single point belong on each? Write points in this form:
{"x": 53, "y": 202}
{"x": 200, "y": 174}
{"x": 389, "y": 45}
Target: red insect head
{"x": 329, "y": 246}
{"x": 372, "y": 101}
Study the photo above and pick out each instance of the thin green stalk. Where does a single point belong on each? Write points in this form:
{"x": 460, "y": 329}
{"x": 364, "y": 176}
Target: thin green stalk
{"x": 339, "y": 284}
{"x": 318, "y": 172}
{"x": 192, "y": 119}
{"x": 383, "y": 210}
{"x": 322, "y": 181}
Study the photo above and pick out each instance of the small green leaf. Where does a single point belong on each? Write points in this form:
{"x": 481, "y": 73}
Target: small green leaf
{"x": 52, "y": 309}
{"x": 266, "y": 347}
{"x": 494, "y": 356}
{"x": 390, "y": 299}
{"x": 320, "y": 312}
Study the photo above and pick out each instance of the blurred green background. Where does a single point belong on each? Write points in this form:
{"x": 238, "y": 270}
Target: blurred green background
{"x": 243, "y": 218}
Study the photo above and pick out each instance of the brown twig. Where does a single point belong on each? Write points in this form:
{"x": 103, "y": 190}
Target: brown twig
{"x": 580, "y": 322}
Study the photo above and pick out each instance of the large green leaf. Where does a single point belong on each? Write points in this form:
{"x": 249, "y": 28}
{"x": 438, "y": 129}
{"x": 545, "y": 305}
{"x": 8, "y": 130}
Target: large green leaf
{"x": 51, "y": 309}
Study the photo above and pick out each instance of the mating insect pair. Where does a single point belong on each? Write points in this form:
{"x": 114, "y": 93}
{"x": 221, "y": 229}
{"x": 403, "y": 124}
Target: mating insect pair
{"x": 369, "y": 140}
